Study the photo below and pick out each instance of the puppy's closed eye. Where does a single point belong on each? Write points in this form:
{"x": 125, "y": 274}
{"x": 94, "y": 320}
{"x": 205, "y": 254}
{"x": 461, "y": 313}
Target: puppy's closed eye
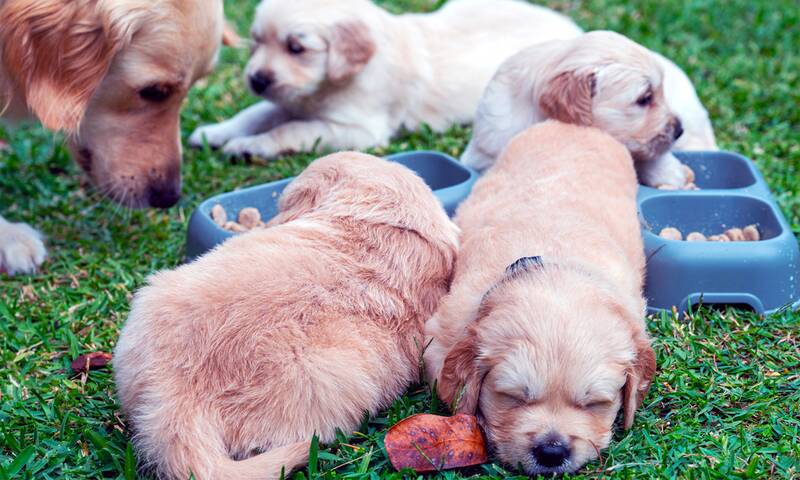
{"x": 646, "y": 99}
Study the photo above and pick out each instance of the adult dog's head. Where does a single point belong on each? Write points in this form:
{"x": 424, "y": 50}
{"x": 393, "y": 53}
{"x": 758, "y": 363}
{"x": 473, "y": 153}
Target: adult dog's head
{"x": 603, "y": 79}
{"x": 113, "y": 74}
{"x": 552, "y": 357}
{"x": 304, "y": 47}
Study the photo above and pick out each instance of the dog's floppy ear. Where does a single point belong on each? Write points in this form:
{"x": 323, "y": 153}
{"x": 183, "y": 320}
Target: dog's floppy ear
{"x": 640, "y": 376}
{"x": 568, "y": 98}
{"x": 57, "y": 53}
{"x": 350, "y": 48}
{"x": 460, "y": 380}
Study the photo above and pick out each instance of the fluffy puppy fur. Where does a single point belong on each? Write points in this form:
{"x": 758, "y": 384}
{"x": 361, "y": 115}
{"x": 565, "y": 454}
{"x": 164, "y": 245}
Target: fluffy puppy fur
{"x": 111, "y": 74}
{"x": 342, "y": 74}
{"x": 546, "y": 350}
{"x": 287, "y": 331}
{"x": 604, "y": 80}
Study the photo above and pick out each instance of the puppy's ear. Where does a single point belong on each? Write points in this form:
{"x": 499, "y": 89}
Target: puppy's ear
{"x": 306, "y": 191}
{"x": 351, "y": 48}
{"x": 57, "y": 53}
{"x": 568, "y": 98}
{"x": 460, "y": 380}
{"x": 640, "y": 376}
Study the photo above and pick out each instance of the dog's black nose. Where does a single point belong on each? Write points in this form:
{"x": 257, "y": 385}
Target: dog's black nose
{"x": 551, "y": 454}
{"x": 260, "y": 82}
{"x": 163, "y": 194}
{"x": 678, "y": 129}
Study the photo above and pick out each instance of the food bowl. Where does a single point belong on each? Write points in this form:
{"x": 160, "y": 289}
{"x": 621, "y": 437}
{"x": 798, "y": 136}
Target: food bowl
{"x": 761, "y": 276}
{"x": 450, "y": 181}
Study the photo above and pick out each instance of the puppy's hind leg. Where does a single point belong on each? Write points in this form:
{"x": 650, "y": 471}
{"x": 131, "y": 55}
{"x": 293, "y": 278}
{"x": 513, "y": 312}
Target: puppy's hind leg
{"x": 255, "y": 119}
{"x": 21, "y": 248}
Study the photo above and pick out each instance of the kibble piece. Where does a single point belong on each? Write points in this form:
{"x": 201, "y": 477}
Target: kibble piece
{"x": 735, "y": 234}
{"x": 689, "y": 174}
{"x": 696, "y": 237}
{"x": 667, "y": 186}
{"x": 234, "y": 227}
{"x": 671, "y": 233}
{"x": 751, "y": 233}
{"x": 249, "y": 217}
{"x": 218, "y": 215}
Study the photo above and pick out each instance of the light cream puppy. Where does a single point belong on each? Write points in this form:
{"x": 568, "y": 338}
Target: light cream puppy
{"x": 227, "y": 366}
{"x": 601, "y": 79}
{"x": 346, "y": 74}
{"x": 112, "y": 74}
{"x": 543, "y": 332}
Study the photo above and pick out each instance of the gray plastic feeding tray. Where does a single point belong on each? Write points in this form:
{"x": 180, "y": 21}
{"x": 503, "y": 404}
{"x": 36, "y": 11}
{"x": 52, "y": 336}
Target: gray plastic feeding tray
{"x": 450, "y": 181}
{"x": 762, "y": 276}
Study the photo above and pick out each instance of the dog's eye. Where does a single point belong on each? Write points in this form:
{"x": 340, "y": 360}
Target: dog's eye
{"x": 294, "y": 47}
{"x": 645, "y": 100}
{"x": 598, "y": 405}
{"x": 156, "y": 93}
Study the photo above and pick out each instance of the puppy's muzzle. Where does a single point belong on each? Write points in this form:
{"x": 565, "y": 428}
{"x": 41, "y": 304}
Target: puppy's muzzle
{"x": 260, "y": 82}
{"x": 551, "y": 453}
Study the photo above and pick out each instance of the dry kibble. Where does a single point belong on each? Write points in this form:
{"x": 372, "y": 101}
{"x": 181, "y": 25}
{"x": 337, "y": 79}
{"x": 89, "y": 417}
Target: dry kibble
{"x": 666, "y": 186}
{"x": 218, "y": 215}
{"x": 696, "y": 237}
{"x": 735, "y": 234}
{"x": 671, "y": 233}
{"x": 724, "y": 238}
{"x": 751, "y": 233}
{"x": 689, "y": 174}
{"x": 249, "y": 218}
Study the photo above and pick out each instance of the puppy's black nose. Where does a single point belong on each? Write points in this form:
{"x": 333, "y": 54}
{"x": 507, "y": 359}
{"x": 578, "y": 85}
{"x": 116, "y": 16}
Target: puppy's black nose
{"x": 163, "y": 194}
{"x": 551, "y": 454}
{"x": 678, "y": 129}
{"x": 260, "y": 82}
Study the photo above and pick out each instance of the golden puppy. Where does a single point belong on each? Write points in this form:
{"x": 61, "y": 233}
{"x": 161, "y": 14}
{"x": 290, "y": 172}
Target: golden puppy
{"x": 604, "y": 80}
{"x": 543, "y": 330}
{"x": 112, "y": 74}
{"x": 346, "y": 74}
{"x": 227, "y": 366}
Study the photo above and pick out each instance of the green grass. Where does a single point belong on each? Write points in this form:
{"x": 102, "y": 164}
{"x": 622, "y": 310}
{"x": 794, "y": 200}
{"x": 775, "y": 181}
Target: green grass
{"x": 725, "y": 400}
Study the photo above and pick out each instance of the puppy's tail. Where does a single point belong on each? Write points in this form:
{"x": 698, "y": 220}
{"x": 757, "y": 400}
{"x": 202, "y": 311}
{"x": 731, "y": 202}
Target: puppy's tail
{"x": 188, "y": 444}
{"x": 266, "y": 466}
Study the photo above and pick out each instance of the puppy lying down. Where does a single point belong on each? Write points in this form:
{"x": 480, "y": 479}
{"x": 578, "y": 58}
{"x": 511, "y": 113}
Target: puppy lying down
{"x": 600, "y": 79}
{"x": 227, "y": 366}
{"x": 346, "y": 74}
{"x": 543, "y": 332}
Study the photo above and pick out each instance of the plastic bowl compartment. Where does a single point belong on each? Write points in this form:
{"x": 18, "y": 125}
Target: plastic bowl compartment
{"x": 760, "y": 275}
{"x": 450, "y": 181}
{"x": 719, "y": 170}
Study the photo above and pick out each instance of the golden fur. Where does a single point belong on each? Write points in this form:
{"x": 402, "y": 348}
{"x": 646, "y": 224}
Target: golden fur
{"x": 90, "y": 68}
{"x": 547, "y": 353}
{"x": 284, "y": 332}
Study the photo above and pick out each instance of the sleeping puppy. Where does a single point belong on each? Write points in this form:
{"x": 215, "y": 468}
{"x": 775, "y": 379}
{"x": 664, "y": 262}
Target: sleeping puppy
{"x": 112, "y": 74}
{"x": 346, "y": 74}
{"x": 543, "y": 332}
{"x": 600, "y": 79}
{"x": 227, "y": 366}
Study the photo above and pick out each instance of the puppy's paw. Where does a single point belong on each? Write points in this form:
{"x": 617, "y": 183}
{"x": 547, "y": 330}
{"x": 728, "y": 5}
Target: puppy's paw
{"x": 21, "y": 248}
{"x": 666, "y": 171}
{"x": 254, "y": 146}
{"x": 216, "y": 136}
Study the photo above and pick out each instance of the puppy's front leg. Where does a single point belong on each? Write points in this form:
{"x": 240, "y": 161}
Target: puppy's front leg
{"x": 664, "y": 170}
{"x": 302, "y": 136}
{"x": 258, "y": 118}
{"x": 21, "y": 248}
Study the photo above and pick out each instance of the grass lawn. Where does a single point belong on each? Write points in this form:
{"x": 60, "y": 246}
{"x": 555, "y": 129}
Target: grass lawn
{"x": 726, "y": 400}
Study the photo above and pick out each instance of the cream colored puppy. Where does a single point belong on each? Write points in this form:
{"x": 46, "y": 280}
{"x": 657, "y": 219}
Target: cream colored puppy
{"x": 227, "y": 366}
{"x": 112, "y": 74}
{"x": 345, "y": 74}
{"x": 601, "y": 79}
{"x": 543, "y": 332}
